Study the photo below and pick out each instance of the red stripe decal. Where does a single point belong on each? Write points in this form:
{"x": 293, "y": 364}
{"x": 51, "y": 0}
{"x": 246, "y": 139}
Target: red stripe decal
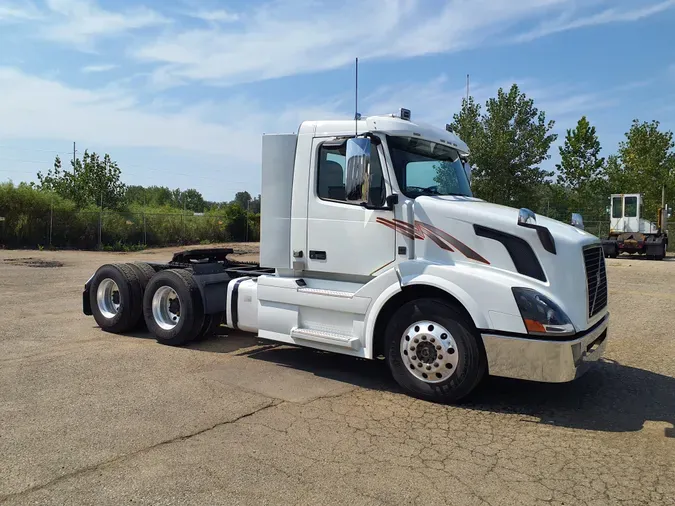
{"x": 442, "y": 239}
{"x": 461, "y": 247}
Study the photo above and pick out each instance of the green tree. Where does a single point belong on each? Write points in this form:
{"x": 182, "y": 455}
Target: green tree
{"x": 580, "y": 160}
{"x": 193, "y": 200}
{"x": 90, "y": 181}
{"x": 243, "y": 199}
{"x": 255, "y": 205}
{"x": 645, "y": 162}
{"x": 467, "y": 123}
{"x": 581, "y": 170}
{"x": 507, "y": 143}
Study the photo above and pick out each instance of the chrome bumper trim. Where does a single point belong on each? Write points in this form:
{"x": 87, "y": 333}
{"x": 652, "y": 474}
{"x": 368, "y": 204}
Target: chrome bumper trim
{"x": 546, "y": 361}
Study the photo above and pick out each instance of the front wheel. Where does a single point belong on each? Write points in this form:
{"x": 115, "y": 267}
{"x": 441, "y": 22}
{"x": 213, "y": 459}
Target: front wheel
{"x": 433, "y": 352}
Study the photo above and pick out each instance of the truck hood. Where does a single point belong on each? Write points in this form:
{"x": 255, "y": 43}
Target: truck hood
{"x": 475, "y": 211}
{"x": 565, "y": 275}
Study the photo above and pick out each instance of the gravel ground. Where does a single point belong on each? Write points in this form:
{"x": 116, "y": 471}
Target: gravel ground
{"x": 92, "y": 418}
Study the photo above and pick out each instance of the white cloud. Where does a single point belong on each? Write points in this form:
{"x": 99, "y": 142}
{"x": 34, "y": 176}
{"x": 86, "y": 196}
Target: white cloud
{"x": 567, "y": 21}
{"x": 47, "y": 109}
{"x": 286, "y": 38}
{"x": 92, "y": 69}
{"x": 215, "y": 16}
{"x": 18, "y": 12}
{"x": 280, "y": 39}
{"x": 81, "y": 22}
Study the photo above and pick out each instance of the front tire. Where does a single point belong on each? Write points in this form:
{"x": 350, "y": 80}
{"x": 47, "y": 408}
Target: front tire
{"x": 173, "y": 308}
{"x": 433, "y": 352}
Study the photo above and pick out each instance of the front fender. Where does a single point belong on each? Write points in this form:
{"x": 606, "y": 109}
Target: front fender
{"x": 416, "y": 273}
{"x": 486, "y": 295}
{"x": 439, "y": 276}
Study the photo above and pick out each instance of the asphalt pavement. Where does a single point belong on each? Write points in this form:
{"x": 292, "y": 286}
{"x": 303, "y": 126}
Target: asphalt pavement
{"x": 93, "y": 418}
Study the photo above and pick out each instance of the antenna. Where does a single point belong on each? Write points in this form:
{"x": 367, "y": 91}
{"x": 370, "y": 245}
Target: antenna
{"x": 356, "y": 101}
{"x": 467, "y": 87}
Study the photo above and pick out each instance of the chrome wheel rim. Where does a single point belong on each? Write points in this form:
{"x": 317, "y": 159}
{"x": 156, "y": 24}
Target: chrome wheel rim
{"x": 166, "y": 307}
{"x": 108, "y": 298}
{"x": 429, "y": 351}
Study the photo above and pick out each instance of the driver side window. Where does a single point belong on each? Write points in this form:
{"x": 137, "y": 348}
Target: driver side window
{"x": 331, "y": 175}
{"x": 617, "y": 207}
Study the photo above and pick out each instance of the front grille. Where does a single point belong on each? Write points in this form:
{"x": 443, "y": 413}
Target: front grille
{"x": 596, "y": 279}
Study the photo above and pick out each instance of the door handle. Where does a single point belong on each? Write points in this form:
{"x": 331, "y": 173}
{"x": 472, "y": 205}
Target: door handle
{"x": 317, "y": 255}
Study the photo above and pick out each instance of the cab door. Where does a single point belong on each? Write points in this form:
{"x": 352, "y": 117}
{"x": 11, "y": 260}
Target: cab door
{"x": 616, "y": 217}
{"x": 344, "y": 237}
{"x": 631, "y": 213}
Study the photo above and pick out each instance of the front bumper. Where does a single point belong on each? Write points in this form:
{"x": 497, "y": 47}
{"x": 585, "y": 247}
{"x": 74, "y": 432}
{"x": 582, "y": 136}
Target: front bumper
{"x": 546, "y": 361}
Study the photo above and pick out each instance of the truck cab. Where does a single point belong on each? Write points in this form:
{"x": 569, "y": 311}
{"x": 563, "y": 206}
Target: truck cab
{"x": 626, "y": 214}
{"x": 373, "y": 245}
{"x": 630, "y": 233}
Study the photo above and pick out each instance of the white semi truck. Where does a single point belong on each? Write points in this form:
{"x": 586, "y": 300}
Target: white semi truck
{"x": 372, "y": 245}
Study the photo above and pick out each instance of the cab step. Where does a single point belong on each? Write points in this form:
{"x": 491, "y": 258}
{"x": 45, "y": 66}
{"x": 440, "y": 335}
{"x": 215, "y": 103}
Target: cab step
{"x": 327, "y": 293}
{"x": 326, "y": 337}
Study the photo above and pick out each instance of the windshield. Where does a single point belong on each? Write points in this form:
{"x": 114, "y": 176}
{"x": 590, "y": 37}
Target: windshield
{"x": 427, "y": 168}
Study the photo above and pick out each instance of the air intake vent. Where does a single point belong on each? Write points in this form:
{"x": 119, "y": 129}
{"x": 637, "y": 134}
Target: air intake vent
{"x": 596, "y": 279}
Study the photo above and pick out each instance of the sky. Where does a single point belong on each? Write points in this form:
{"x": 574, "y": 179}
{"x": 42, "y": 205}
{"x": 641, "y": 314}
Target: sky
{"x": 180, "y": 92}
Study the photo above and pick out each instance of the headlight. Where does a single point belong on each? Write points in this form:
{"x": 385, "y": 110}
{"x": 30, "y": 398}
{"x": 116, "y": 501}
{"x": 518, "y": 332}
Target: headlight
{"x": 540, "y": 314}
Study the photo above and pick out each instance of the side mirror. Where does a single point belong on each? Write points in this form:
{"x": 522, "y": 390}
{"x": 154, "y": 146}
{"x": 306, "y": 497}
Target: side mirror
{"x": 526, "y": 217}
{"x": 357, "y": 180}
{"x": 577, "y": 221}
{"x": 467, "y": 170}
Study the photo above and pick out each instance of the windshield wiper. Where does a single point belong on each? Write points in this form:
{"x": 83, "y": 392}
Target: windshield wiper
{"x": 432, "y": 190}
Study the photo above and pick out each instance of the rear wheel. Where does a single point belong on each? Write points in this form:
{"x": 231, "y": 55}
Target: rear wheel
{"x": 211, "y": 326}
{"x": 144, "y": 271}
{"x": 433, "y": 352}
{"x": 173, "y": 308}
{"x": 663, "y": 252}
{"x": 115, "y": 298}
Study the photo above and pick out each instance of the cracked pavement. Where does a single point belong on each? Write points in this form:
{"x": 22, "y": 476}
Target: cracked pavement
{"x": 93, "y": 418}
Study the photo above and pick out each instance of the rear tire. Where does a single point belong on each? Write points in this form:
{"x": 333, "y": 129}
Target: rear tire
{"x": 116, "y": 298}
{"x": 173, "y": 308}
{"x": 448, "y": 374}
{"x": 210, "y": 326}
{"x": 144, "y": 271}
{"x": 662, "y": 255}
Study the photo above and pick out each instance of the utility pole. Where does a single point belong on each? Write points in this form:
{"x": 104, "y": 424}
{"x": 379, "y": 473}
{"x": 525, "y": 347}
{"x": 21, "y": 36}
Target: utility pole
{"x": 100, "y": 214}
{"x": 248, "y": 209}
{"x": 145, "y": 230}
{"x": 183, "y": 196}
{"x": 73, "y": 156}
{"x": 51, "y": 219}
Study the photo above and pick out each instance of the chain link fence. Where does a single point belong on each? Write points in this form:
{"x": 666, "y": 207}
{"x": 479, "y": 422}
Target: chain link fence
{"x": 127, "y": 231}
{"x": 122, "y": 231}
